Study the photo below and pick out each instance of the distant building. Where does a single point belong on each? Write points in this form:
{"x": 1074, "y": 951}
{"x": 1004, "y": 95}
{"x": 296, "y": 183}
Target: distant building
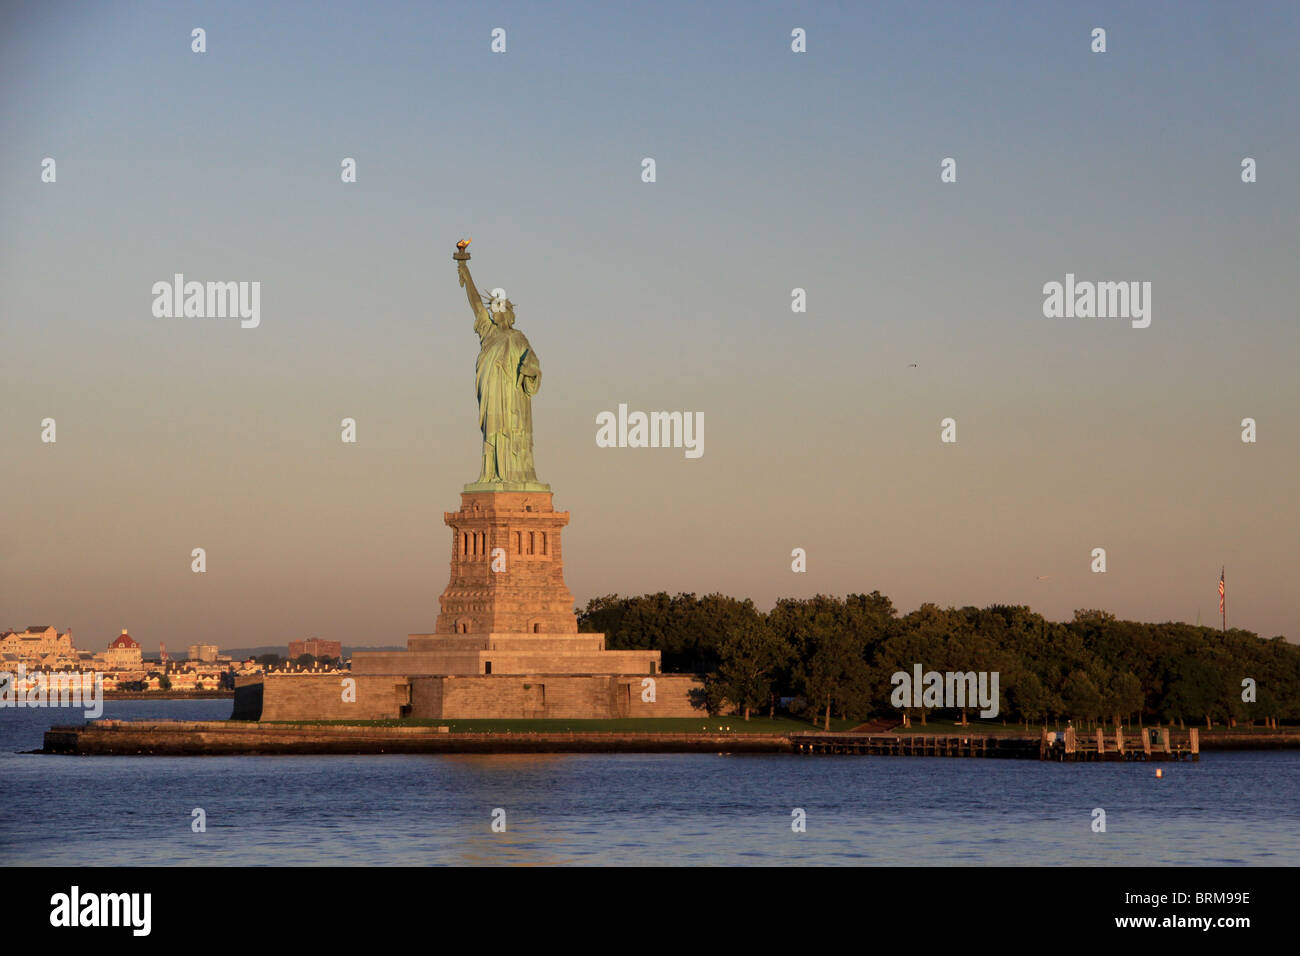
{"x": 206, "y": 653}
{"x": 124, "y": 653}
{"x": 198, "y": 678}
{"x": 316, "y": 648}
{"x": 38, "y": 646}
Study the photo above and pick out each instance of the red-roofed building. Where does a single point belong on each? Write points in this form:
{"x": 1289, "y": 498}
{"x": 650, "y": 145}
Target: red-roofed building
{"x": 124, "y": 653}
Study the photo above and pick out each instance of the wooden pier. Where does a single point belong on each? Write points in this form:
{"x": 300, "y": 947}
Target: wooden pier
{"x": 1069, "y": 746}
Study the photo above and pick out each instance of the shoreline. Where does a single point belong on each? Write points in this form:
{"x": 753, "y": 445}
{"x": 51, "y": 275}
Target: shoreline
{"x": 222, "y": 738}
{"x": 238, "y": 738}
{"x": 169, "y": 695}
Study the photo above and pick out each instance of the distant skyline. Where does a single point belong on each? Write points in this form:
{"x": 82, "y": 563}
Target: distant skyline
{"x": 774, "y": 171}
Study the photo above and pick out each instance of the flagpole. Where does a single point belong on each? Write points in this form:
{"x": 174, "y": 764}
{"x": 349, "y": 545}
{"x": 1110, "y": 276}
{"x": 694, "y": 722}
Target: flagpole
{"x": 1223, "y": 598}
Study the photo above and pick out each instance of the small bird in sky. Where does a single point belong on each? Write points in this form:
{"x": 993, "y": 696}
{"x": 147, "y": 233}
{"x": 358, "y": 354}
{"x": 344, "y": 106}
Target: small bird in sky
{"x": 913, "y": 365}
{"x": 1043, "y": 577}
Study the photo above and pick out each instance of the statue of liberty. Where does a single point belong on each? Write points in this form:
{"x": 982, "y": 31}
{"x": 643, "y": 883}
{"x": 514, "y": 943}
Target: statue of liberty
{"x": 508, "y": 375}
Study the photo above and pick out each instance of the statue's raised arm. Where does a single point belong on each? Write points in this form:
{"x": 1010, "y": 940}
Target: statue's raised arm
{"x": 471, "y": 290}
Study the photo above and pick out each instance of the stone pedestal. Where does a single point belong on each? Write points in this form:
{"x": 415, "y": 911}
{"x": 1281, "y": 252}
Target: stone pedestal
{"x": 506, "y": 610}
{"x": 506, "y": 643}
{"x": 505, "y": 654}
{"x": 507, "y": 567}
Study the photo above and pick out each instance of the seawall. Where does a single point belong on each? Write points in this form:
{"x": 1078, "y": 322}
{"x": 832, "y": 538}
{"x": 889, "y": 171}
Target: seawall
{"x": 212, "y": 738}
{"x": 234, "y": 737}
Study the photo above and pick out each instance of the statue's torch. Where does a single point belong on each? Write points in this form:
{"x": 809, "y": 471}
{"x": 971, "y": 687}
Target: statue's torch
{"x": 462, "y": 253}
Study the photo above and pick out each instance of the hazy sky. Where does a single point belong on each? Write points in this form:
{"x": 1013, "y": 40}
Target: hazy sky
{"x": 775, "y": 170}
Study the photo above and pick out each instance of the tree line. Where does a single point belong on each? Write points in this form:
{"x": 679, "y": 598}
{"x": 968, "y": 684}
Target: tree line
{"x": 829, "y": 656}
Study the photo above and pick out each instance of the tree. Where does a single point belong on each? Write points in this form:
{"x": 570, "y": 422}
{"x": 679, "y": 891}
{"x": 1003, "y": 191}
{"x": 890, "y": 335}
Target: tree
{"x": 922, "y": 637}
{"x": 750, "y": 656}
{"x": 1193, "y": 687}
{"x": 1029, "y": 698}
{"x": 685, "y": 629}
{"x": 1081, "y": 695}
{"x": 830, "y": 644}
{"x": 1125, "y": 696}
{"x": 843, "y": 652}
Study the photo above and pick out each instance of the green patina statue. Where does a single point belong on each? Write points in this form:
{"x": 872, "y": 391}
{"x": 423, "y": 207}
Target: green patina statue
{"x": 508, "y": 375}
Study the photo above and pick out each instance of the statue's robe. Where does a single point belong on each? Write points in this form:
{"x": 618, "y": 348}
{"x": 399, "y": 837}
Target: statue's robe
{"x": 508, "y": 375}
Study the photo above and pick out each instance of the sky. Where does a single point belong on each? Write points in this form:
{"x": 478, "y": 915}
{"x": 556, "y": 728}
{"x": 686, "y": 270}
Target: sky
{"x": 774, "y": 170}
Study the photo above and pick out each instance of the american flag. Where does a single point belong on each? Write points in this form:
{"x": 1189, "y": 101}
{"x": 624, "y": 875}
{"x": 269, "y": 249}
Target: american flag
{"x": 1221, "y": 570}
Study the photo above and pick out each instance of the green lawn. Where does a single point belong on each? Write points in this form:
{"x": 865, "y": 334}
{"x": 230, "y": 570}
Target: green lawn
{"x": 680, "y": 725}
{"x": 1243, "y": 729}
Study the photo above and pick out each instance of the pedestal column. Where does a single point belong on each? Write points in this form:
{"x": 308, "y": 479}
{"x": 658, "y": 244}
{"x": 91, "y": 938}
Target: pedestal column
{"x": 507, "y": 566}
